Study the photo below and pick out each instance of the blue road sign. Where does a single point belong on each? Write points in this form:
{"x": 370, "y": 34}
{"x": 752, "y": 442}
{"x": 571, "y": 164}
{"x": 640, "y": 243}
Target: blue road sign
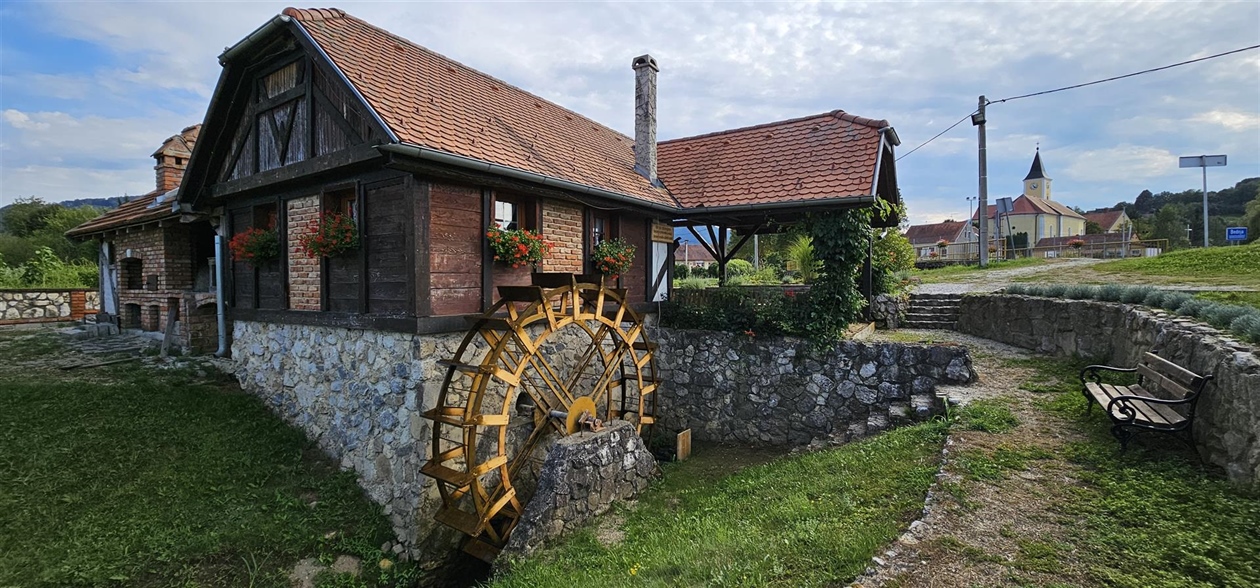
{"x": 1236, "y": 234}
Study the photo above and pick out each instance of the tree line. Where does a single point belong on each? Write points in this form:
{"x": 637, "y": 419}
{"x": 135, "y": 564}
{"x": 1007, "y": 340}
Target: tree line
{"x": 1167, "y": 215}
{"x": 34, "y": 249}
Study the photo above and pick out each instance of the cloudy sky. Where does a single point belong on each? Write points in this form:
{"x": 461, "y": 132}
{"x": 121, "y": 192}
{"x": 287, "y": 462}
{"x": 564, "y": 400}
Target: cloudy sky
{"x": 90, "y": 89}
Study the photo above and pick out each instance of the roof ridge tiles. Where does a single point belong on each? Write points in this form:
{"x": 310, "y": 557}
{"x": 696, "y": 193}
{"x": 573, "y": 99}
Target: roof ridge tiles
{"x": 838, "y": 114}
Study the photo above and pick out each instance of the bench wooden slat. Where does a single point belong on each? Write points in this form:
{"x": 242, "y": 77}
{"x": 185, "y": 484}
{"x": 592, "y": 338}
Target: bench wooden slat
{"x": 1155, "y": 414}
{"x": 1185, "y": 376}
{"x": 1174, "y": 390}
{"x": 1168, "y": 413}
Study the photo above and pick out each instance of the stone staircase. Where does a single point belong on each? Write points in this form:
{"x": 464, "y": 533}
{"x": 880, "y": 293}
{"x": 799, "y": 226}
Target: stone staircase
{"x": 933, "y": 311}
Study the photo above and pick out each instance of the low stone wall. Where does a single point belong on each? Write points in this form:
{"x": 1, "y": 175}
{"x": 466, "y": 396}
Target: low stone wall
{"x": 38, "y": 306}
{"x": 1227, "y": 426}
{"x": 358, "y": 394}
{"x": 583, "y": 475}
{"x": 889, "y": 310}
{"x": 778, "y": 391}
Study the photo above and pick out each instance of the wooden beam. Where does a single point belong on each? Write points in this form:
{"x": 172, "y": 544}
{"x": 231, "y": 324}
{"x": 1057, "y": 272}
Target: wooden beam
{"x": 310, "y": 167}
{"x": 702, "y": 242}
{"x": 487, "y": 256}
{"x": 731, "y": 254}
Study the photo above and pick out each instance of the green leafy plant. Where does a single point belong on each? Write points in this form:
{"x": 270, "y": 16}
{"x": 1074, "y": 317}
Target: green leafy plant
{"x": 612, "y": 257}
{"x": 518, "y": 247}
{"x": 800, "y": 254}
{"x": 255, "y": 246}
{"x": 333, "y": 233}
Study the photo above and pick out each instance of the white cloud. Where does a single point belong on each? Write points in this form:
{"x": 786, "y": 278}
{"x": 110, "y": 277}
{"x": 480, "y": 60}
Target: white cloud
{"x": 1232, "y": 120}
{"x": 1123, "y": 163}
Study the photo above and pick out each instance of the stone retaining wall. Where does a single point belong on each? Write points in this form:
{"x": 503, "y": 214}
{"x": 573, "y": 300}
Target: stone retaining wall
{"x": 778, "y": 391}
{"x": 889, "y": 310}
{"x": 583, "y": 475}
{"x": 38, "y": 306}
{"x": 1227, "y": 428}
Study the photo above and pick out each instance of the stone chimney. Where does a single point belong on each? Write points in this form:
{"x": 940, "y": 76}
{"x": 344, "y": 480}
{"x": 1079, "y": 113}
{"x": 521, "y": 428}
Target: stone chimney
{"x": 173, "y": 156}
{"x": 645, "y": 116}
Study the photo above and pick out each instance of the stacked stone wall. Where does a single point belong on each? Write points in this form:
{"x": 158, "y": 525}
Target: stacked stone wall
{"x": 779, "y": 391}
{"x": 1227, "y": 426}
{"x": 562, "y": 225}
{"x": 39, "y": 306}
{"x": 583, "y": 476}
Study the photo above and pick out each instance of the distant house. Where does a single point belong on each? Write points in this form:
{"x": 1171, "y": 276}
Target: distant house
{"x": 1034, "y": 212}
{"x": 693, "y": 255}
{"x": 152, "y": 266}
{"x": 1111, "y": 221}
{"x": 925, "y": 238}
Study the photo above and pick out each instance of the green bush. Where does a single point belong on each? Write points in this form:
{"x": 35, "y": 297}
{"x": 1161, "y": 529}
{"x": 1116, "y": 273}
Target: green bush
{"x": 1080, "y": 292}
{"x": 1155, "y": 298}
{"x": 1053, "y": 290}
{"x": 1135, "y": 294}
{"x": 1193, "y": 307}
{"x": 1110, "y": 292}
{"x": 681, "y": 271}
{"x": 692, "y": 283}
{"x": 1017, "y": 289}
{"x": 1223, "y": 315}
{"x": 1173, "y": 300}
{"x": 738, "y": 267}
{"x": 892, "y": 256}
{"x": 1247, "y": 326}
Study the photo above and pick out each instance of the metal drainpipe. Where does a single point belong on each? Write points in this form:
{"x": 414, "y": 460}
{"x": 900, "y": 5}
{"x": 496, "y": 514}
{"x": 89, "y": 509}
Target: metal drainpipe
{"x": 219, "y": 304}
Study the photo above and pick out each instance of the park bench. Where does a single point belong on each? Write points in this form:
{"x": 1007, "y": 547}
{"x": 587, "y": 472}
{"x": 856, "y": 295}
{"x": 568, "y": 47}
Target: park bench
{"x": 1162, "y": 400}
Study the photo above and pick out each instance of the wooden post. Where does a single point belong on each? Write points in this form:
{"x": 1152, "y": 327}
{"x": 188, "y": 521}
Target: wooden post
{"x": 171, "y": 313}
{"x": 682, "y": 447}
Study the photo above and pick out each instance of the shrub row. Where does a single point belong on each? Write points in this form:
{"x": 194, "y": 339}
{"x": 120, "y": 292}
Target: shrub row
{"x": 1244, "y": 321}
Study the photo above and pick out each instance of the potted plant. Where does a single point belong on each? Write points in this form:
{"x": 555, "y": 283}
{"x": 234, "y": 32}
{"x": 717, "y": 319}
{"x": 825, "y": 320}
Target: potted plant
{"x": 942, "y": 244}
{"x": 255, "y": 246}
{"x": 612, "y": 257}
{"x": 329, "y": 235}
{"x": 1076, "y": 244}
{"x": 518, "y": 247}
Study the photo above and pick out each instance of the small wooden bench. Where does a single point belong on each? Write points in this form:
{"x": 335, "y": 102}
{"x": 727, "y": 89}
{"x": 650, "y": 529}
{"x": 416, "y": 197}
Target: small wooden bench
{"x": 1162, "y": 401}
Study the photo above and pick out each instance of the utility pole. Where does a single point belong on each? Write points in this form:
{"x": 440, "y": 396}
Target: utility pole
{"x": 977, "y": 120}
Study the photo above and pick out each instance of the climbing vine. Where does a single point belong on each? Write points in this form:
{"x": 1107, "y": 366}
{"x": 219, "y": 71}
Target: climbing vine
{"x": 840, "y": 243}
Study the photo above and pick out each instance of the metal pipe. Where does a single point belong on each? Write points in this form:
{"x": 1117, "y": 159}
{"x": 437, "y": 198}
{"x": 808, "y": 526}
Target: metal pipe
{"x": 220, "y": 306}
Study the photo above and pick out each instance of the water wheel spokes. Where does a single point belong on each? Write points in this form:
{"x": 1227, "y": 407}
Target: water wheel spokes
{"x": 516, "y": 369}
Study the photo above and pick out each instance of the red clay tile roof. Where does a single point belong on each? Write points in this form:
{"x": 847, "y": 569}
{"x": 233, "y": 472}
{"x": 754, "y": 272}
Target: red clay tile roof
{"x": 143, "y": 209}
{"x": 1105, "y": 219}
{"x": 1026, "y": 205}
{"x": 829, "y": 155}
{"x": 429, "y": 100}
{"x": 931, "y": 234}
{"x": 691, "y": 253}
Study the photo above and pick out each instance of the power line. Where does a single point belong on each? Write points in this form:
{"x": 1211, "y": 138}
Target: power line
{"x": 951, "y": 127}
{"x": 1136, "y": 73}
{"x": 1111, "y": 79}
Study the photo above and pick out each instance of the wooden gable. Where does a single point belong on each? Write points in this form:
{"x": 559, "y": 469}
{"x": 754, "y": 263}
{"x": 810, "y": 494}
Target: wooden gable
{"x": 280, "y": 111}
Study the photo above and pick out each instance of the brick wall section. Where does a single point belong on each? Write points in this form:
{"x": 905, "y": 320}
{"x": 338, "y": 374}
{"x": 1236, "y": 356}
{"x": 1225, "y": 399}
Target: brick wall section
{"x": 562, "y": 225}
{"x": 177, "y": 261}
{"x": 304, "y": 275}
{"x": 167, "y": 254}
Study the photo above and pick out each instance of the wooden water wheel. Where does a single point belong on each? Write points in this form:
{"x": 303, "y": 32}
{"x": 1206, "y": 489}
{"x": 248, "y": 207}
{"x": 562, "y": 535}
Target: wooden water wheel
{"x": 527, "y": 371}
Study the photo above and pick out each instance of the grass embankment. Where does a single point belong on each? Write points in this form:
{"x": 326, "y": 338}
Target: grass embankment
{"x": 809, "y": 520}
{"x": 1232, "y": 297}
{"x": 139, "y": 476}
{"x": 959, "y": 273}
{"x": 1214, "y": 266}
{"x": 1150, "y": 517}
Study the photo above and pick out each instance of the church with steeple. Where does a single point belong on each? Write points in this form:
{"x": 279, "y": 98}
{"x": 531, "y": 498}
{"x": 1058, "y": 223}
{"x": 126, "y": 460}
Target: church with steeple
{"x": 1035, "y": 212}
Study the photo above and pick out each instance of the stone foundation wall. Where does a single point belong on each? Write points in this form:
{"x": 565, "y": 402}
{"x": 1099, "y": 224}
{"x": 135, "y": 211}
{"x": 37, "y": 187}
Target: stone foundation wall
{"x": 38, "y": 306}
{"x": 1227, "y": 426}
{"x": 733, "y": 388}
{"x": 583, "y": 475}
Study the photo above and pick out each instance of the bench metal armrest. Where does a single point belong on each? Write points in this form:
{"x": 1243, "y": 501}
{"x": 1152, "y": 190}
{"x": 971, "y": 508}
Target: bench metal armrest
{"x": 1123, "y": 405}
{"x": 1092, "y": 372}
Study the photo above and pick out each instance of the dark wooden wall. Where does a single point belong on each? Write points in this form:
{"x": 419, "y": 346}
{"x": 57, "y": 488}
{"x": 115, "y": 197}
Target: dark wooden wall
{"x": 386, "y": 243}
{"x": 633, "y": 229}
{"x": 456, "y": 235}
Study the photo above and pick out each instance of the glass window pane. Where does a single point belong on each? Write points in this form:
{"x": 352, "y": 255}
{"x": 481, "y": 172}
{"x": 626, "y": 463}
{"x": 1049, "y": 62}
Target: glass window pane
{"x": 505, "y": 215}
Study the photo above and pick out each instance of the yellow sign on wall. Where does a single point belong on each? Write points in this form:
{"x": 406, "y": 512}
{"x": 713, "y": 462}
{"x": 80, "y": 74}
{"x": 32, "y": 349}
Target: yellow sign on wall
{"x": 662, "y": 232}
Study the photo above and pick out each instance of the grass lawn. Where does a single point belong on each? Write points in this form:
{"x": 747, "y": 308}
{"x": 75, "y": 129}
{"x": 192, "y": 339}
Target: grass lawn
{"x": 1215, "y": 266}
{"x": 809, "y": 520}
{"x": 1233, "y": 297}
{"x": 140, "y": 476}
{"x": 958, "y": 273}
